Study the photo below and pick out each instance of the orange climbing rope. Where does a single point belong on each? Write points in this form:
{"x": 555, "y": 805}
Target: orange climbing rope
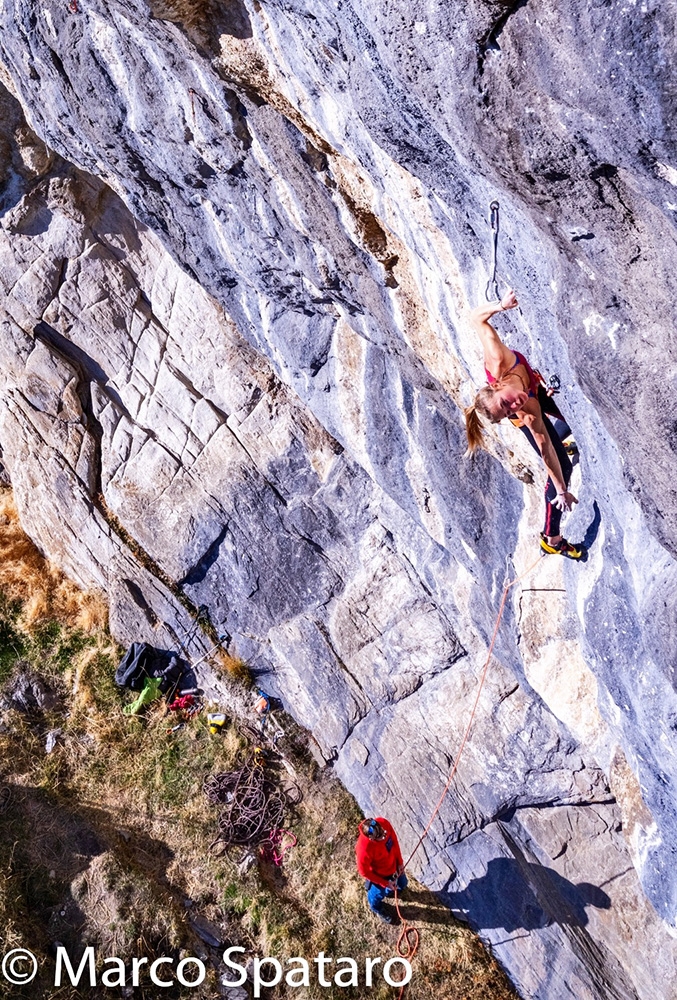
{"x": 408, "y": 941}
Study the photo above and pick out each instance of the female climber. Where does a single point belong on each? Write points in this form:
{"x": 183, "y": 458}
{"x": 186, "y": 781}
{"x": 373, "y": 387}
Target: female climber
{"x": 515, "y": 392}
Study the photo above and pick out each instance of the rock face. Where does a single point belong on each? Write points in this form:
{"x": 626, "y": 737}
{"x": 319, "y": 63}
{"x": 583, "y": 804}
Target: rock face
{"x": 237, "y": 262}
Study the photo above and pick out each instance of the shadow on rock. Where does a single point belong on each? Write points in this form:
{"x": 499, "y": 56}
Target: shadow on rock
{"x": 592, "y": 530}
{"x": 206, "y": 20}
{"x": 527, "y": 897}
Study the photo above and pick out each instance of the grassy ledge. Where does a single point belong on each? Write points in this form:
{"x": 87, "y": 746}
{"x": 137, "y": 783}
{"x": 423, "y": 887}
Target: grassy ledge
{"x": 105, "y": 840}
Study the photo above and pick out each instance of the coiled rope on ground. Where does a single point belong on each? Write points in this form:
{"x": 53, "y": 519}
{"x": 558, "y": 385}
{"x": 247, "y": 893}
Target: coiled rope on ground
{"x": 254, "y": 806}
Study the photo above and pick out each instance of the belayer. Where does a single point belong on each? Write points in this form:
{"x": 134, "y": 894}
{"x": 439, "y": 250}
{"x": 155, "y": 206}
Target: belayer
{"x": 516, "y": 392}
{"x": 379, "y": 862}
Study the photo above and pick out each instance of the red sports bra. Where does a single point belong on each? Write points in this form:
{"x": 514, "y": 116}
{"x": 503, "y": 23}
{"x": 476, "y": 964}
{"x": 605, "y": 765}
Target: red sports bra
{"x": 521, "y": 360}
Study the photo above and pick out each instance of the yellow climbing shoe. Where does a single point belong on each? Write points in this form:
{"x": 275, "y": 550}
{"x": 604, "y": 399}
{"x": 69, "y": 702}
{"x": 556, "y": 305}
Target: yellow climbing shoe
{"x": 562, "y": 548}
{"x": 570, "y": 447}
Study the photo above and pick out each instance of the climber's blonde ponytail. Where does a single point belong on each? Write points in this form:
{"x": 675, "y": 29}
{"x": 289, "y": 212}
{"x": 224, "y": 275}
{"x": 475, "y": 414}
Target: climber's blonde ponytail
{"x": 474, "y": 427}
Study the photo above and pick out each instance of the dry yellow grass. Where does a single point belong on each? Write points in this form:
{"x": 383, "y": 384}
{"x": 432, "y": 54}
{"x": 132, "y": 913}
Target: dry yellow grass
{"x": 235, "y": 668}
{"x": 27, "y": 577}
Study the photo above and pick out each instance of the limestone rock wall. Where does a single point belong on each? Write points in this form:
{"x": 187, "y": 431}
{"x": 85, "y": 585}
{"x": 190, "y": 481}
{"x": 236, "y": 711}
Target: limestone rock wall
{"x": 236, "y": 264}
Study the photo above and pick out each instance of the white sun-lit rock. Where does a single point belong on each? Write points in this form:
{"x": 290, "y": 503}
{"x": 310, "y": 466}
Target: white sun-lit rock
{"x": 236, "y": 277}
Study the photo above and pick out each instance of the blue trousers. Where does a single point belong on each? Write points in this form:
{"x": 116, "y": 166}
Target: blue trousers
{"x": 377, "y": 893}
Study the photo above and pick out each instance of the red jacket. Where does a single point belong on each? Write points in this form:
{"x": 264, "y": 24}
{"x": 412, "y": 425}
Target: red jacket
{"x": 377, "y": 860}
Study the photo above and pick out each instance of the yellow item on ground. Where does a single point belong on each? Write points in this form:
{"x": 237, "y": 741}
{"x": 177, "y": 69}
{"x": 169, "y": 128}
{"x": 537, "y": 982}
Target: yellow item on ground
{"x": 216, "y": 722}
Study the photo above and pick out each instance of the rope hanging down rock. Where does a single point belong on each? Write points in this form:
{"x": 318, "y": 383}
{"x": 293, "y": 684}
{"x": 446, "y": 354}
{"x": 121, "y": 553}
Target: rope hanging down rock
{"x": 408, "y": 941}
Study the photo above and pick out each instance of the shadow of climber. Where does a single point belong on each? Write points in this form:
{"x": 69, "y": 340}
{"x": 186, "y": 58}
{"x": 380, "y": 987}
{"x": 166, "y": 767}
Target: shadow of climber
{"x": 524, "y": 896}
{"x": 592, "y": 530}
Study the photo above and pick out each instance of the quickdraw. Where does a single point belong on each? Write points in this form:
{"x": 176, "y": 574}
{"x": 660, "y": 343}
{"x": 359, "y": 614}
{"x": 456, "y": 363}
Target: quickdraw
{"x": 491, "y": 291}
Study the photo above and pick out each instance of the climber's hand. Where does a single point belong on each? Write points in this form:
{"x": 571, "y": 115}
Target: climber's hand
{"x": 509, "y": 300}
{"x": 564, "y": 501}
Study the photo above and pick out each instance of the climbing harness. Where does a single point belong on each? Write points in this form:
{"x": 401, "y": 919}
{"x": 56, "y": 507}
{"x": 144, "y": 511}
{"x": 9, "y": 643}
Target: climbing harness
{"x": 408, "y": 941}
{"x": 187, "y": 705}
{"x": 491, "y": 291}
{"x": 262, "y": 709}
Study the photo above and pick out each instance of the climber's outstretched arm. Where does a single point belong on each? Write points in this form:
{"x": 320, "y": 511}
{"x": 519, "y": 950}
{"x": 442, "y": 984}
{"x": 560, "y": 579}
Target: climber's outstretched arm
{"x": 533, "y": 419}
{"x": 497, "y": 357}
